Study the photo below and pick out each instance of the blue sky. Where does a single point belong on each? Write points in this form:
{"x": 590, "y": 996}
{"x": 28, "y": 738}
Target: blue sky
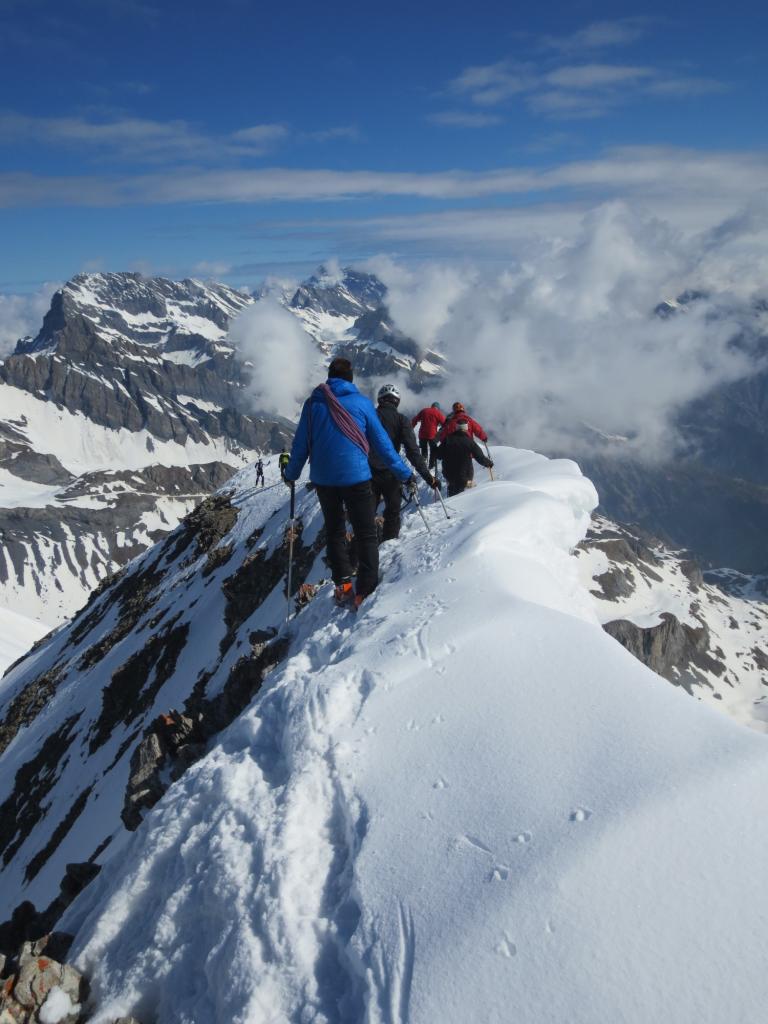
{"x": 234, "y": 140}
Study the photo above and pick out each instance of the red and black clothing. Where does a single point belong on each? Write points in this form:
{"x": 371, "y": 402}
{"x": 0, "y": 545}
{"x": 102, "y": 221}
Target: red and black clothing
{"x": 385, "y": 484}
{"x": 475, "y": 430}
{"x": 457, "y": 452}
{"x": 430, "y": 420}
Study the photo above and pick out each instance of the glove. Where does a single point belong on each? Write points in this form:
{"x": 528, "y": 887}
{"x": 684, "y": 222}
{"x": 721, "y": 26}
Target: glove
{"x": 490, "y": 464}
{"x": 434, "y": 483}
{"x": 412, "y": 485}
{"x": 287, "y": 482}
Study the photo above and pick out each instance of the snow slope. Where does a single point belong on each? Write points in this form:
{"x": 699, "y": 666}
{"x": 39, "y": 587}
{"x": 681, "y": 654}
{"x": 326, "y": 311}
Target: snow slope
{"x": 466, "y": 804}
{"x": 17, "y": 634}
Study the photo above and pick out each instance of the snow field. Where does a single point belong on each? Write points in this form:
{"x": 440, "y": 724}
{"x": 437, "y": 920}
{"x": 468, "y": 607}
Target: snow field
{"x": 17, "y": 634}
{"x": 83, "y": 446}
{"x": 467, "y": 803}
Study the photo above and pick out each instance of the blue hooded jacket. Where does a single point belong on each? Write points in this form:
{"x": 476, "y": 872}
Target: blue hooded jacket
{"x": 334, "y": 460}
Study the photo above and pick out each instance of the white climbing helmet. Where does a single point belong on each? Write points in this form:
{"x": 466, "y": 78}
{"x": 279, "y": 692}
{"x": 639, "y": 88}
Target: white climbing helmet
{"x": 389, "y": 391}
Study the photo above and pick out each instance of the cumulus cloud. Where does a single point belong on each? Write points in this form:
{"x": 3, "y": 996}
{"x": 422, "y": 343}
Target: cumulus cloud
{"x": 22, "y": 315}
{"x": 282, "y": 358}
{"x": 561, "y": 348}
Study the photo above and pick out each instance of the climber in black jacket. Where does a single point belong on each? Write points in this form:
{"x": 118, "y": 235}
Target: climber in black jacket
{"x": 385, "y": 484}
{"x": 456, "y": 453}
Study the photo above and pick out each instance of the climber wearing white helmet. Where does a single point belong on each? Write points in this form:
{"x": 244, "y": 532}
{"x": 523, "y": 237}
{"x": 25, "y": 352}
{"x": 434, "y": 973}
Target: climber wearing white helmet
{"x": 385, "y": 484}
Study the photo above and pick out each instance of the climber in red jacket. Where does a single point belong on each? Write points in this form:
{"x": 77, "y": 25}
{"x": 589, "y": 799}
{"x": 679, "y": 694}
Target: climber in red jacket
{"x": 458, "y": 411}
{"x": 431, "y": 419}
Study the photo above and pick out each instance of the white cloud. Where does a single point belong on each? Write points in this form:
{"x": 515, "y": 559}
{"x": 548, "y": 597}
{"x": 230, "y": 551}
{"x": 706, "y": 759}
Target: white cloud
{"x": 587, "y": 88}
{"x": 592, "y": 76}
{"x": 465, "y": 119}
{"x": 600, "y": 34}
{"x": 563, "y": 338}
{"x": 22, "y": 315}
{"x": 285, "y": 362}
{"x": 490, "y": 84}
{"x": 260, "y": 135}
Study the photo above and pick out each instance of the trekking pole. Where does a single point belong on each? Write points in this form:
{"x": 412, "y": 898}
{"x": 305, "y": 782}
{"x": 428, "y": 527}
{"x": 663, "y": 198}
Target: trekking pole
{"x": 421, "y": 512}
{"x": 291, "y": 535}
{"x": 437, "y": 491}
{"x": 490, "y": 468}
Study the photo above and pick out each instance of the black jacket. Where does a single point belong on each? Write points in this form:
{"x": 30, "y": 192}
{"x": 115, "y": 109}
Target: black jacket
{"x": 401, "y": 434}
{"x": 457, "y": 452}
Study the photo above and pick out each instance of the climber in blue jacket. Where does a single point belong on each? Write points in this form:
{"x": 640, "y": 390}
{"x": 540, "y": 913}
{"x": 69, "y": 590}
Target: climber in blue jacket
{"x": 337, "y": 428}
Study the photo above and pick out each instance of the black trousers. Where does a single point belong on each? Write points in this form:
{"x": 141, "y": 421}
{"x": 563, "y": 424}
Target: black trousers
{"x": 387, "y": 486}
{"x": 431, "y": 447}
{"x": 356, "y": 503}
{"x": 456, "y": 486}
{"x": 259, "y": 476}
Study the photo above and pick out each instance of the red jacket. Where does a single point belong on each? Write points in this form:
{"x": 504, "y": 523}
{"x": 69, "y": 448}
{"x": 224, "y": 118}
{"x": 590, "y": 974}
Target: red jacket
{"x": 475, "y": 430}
{"x": 431, "y": 420}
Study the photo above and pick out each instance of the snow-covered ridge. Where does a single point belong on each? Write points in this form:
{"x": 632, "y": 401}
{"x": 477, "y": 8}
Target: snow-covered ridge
{"x": 466, "y": 799}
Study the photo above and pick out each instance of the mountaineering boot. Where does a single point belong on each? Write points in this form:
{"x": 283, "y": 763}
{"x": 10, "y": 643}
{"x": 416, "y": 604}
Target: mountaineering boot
{"x": 343, "y": 593}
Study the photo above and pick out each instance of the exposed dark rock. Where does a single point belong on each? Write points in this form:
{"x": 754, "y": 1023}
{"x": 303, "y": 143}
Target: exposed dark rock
{"x": 28, "y": 703}
{"x": 258, "y": 575}
{"x": 172, "y": 743}
{"x": 206, "y": 525}
{"x": 61, "y": 830}
{"x": 672, "y": 649}
{"x": 30, "y": 979}
{"x": 134, "y": 686}
{"x": 134, "y": 595}
{"x": 615, "y": 583}
{"x": 25, "y": 806}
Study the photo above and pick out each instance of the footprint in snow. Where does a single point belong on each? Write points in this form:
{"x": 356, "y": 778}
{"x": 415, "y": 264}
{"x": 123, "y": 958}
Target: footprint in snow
{"x": 499, "y": 873}
{"x": 440, "y": 784}
{"x": 506, "y": 947}
{"x": 581, "y": 814}
{"x": 522, "y": 837}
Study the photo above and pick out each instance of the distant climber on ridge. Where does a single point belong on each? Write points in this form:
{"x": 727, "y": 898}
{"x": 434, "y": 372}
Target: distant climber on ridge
{"x": 457, "y": 412}
{"x": 259, "y": 472}
{"x": 337, "y": 430}
{"x": 282, "y": 461}
{"x": 457, "y": 452}
{"x": 385, "y": 483}
{"x": 431, "y": 419}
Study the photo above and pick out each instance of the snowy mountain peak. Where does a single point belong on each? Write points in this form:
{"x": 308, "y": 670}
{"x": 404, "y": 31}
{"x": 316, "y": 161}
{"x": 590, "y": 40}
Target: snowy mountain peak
{"x": 346, "y": 293}
{"x": 147, "y": 311}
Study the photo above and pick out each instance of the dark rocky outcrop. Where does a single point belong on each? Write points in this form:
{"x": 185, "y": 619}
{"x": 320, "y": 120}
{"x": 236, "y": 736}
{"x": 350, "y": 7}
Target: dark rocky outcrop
{"x": 678, "y": 652}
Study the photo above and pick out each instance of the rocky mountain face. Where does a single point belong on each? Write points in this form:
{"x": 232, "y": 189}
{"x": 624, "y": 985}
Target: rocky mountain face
{"x": 346, "y": 314}
{"x": 115, "y": 420}
{"x": 131, "y": 404}
{"x": 703, "y": 632}
{"x": 103, "y": 715}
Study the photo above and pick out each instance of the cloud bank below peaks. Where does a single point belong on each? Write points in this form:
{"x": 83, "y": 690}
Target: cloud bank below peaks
{"x": 562, "y": 348}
